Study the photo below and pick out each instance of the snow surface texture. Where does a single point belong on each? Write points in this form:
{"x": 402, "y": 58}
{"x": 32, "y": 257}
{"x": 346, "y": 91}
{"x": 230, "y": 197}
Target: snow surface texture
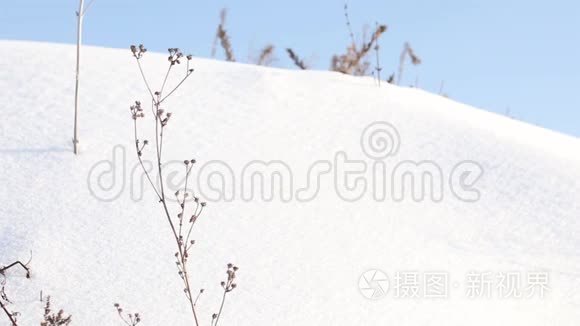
{"x": 300, "y": 262}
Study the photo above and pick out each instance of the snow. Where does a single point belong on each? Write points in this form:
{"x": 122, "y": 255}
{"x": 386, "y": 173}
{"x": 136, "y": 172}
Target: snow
{"x": 300, "y": 262}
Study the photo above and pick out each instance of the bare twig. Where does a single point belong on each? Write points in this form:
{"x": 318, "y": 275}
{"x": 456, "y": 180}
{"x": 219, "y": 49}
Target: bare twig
{"x": 378, "y": 68}
{"x": 16, "y": 263}
{"x": 80, "y": 16}
{"x": 197, "y": 298}
{"x": 224, "y": 38}
{"x": 3, "y": 297}
{"x": 407, "y": 51}
{"x": 265, "y": 58}
{"x": 348, "y": 25}
{"x": 297, "y": 61}
{"x": 8, "y": 314}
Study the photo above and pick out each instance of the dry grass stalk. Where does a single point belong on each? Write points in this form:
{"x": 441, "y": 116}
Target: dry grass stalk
{"x": 378, "y": 67}
{"x": 407, "y": 52}
{"x": 296, "y": 59}
{"x": 224, "y": 38}
{"x": 441, "y": 86}
{"x": 348, "y": 25}
{"x": 266, "y": 56}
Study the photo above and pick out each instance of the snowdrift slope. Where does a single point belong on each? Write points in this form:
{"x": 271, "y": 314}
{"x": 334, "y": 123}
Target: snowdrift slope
{"x": 300, "y": 261}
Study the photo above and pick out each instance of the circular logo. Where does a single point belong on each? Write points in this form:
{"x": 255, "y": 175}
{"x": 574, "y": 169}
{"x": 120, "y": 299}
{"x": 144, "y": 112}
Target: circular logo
{"x": 380, "y": 140}
{"x": 374, "y": 284}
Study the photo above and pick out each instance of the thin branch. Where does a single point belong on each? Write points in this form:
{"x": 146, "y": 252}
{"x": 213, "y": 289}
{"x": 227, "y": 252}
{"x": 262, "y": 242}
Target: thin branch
{"x": 87, "y": 7}
{"x": 266, "y": 56}
{"x": 3, "y": 297}
{"x": 16, "y": 263}
{"x": 176, "y": 87}
{"x": 159, "y": 146}
{"x": 77, "y": 76}
{"x": 194, "y": 218}
{"x": 441, "y": 86}
{"x": 297, "y": 61}
{"x": 185, "y": 195}
{"x": 139, "y": 154}
{"x": 8, "y": 313}
{"x": 228, "y": 287}
{"x": 348, "y": 25}
{"x": 159, "y": 141}
{"x": 144, "y": 78}
{"x": 415, "y": 60}
{"x": 221, "y": 308}
{"x": 224, "y": 38}
{"x": 198, "y": 295}
{"x": 165, "y": 80}
{"x": 378, "y": 67}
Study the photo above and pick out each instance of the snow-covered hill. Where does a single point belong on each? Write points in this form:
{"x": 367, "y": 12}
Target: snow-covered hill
{"x": 301, "y": 260}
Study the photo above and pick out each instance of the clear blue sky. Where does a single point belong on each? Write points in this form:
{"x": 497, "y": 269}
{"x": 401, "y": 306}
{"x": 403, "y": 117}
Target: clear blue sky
{"x": 496, "y": 55}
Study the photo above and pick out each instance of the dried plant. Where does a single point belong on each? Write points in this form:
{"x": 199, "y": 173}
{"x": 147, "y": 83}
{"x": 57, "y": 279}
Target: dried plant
{"x": 182, "y": 223}
{"x": 50, "y": 319}
{"x": 407, "y": 52}
{"x": 266, "y": 56}
{"x": 441, "y": 86}
{"x": 297, "y": 61}
{"x": 228, "y": 285}
{"x": 378, "y": 67}
{"x": 54, "y": 319}
{"x": 4, "y": 300}
{"x": 348, "y": 24}
{"x": 352, "y": 62}
{"x": 224, "y": 38}
{"x": 129, "y": 319}
{"x": 80, "y": 15}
